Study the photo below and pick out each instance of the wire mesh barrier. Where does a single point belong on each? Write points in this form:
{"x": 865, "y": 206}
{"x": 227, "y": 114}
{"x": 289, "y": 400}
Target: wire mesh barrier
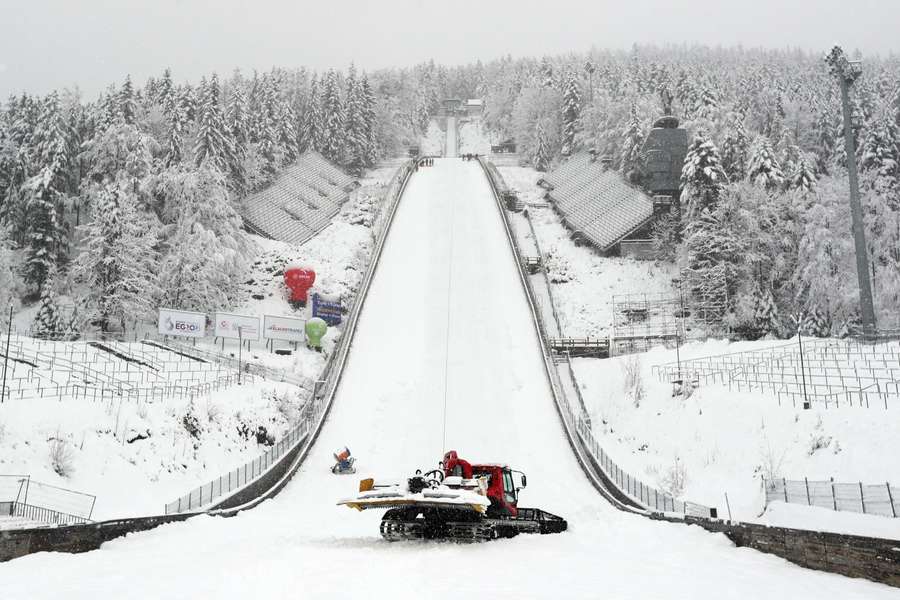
{"x": 45, "y": 503}
{"x": 573, "y": 411}
{"x": 238, "y": 478}
{"x": 833, "y": 373}
{"x": 871, "y": 499}
{"x": 317, "y": 404}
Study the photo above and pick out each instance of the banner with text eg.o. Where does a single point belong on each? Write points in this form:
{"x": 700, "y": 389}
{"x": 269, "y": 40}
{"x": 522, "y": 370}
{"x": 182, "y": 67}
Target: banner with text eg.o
{"x": 232, "y": 326}
{"x": 181, "y": 322}
{"x": 288, "y": 329}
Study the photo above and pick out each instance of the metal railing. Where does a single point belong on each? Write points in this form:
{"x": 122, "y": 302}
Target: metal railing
{"x": 238, "y": 478}
{"x": 37, "y": 501}
{"x": 871, "y": 499}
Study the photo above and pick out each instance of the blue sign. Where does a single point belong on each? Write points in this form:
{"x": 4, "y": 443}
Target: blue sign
{"x": 327, "y": 310}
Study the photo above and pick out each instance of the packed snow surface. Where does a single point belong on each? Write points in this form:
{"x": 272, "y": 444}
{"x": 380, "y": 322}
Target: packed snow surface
{"x": 446, "y": 266}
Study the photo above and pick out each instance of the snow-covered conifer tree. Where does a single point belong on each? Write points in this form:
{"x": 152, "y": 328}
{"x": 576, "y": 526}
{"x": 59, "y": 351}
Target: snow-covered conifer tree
{"x": 541, "y": 160}
{"x": 355, "y": 124}
{"x": 48, "y": 322}
{"x": 702, "y": 176}
{"x": 632, "y": 143}
{"x": 119, "y": 264}
{"x": 571, "y": 113}
{"x": 370, "y": 120}
{"x": 313, "y": 124}
{"x": 334, "y": 142}
{"x": 127, "y": 103}
{"x": 763, "y": 168}
{"x": 735, "y": 149}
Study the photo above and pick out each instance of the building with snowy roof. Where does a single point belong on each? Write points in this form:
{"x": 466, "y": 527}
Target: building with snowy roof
{"x": 301, "y": 202}
{"x": 662, "y": 156}
{"x": 600, "y": 207}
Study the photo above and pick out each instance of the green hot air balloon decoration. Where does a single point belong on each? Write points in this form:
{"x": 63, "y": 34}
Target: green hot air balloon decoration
{"x": 315, "y": 331}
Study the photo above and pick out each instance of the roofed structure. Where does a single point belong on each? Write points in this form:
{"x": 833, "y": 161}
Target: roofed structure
{"x": 596, "y": 202}
{"x": 663, "y": 157}
{"x": 301, "y": 202}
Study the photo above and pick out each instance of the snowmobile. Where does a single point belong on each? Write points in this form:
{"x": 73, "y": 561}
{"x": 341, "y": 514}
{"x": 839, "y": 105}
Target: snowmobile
{"x": 343, "y": 464}
{"x": 459, "y": 502}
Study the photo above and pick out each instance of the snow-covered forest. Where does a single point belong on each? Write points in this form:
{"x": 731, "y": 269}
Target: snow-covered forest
{"x": 765, "y": 222}
{"x": 133, "y": 200}
{"x": 139, "y": 191}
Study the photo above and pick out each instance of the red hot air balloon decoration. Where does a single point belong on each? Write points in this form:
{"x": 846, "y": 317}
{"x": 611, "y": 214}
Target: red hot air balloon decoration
{"x": 299, "y": 279}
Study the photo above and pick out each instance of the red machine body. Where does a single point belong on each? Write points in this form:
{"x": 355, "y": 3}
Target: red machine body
{"x": 299, "y": 280}
{"x": 502, "y": 489}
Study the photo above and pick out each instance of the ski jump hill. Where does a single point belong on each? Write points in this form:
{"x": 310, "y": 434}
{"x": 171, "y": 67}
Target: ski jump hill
{"x": 447, "y": 353}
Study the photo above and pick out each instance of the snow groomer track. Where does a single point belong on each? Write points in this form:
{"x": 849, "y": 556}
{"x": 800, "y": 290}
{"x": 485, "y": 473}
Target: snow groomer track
{"x": 445, "y": 268}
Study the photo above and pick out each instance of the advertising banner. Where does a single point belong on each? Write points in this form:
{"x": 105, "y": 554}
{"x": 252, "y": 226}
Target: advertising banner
{"x": 327, "y": 310}
{"x": 237, "y": 326}
{"x": 288, "y": 329}
{"x": 181, "y": 322}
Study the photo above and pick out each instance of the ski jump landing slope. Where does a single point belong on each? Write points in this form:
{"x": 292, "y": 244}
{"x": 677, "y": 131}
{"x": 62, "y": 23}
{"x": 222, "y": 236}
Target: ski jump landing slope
{"x": 446, "y": 262}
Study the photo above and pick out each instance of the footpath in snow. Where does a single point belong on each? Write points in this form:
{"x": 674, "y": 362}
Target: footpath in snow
{"x": 446, "y": 268}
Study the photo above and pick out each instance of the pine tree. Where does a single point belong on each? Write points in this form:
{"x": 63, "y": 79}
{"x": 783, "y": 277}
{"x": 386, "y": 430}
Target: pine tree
{"x": 127, "y": 103}
{"x": 370, "y": 119}
{"x": 333, "y": 111}
{"x": 355, "y": 125}
{"x": 764, "y": 169}
{"x": 735, "y": 149}
{"x": 48, "y": 321}
{"x": 571, "y": 113}
{"x": 541, "y": 159}
{"x": 236, "y": 118}
{"x": 632, "y": 143}
{"x": 702, "y": 177}
{"x": 313, "y": 124}
{"x": 175, "y": 111}
{"x": 766, "y": 313}
{"x": 825, "y": 141}
{"x": 214, "y": 145}
{"x": 287, "y": 133}
{"x": 165, "y": 91}
{"x": 119, "y": 264}
{"x": 47, "y": 193}
{"x": 816, "y": 323}
{"x": 207, "y": 253}
{"x": 804, "y": 178}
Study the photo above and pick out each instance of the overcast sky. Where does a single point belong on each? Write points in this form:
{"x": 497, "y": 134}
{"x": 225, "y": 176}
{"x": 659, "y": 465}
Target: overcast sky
{"x": 46, "y": 44}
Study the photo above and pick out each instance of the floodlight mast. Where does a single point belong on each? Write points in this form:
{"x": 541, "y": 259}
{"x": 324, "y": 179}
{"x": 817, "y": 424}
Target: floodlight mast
{"x": 847, "y": 72}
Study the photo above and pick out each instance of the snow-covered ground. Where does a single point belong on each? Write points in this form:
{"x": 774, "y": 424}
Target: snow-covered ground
{"x": 726, "y": 441}
{"x": 472, "y": 138}
{"x": 434, "y": 141}
{"x": 585, "y": 282}
{"x": 719, "y": 440}
{"x": 132, "y": 476}
{"x": 446, "y": 268}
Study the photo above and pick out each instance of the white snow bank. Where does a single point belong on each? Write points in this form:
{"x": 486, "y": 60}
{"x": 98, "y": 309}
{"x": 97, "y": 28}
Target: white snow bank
{"x": 779, "y": 514}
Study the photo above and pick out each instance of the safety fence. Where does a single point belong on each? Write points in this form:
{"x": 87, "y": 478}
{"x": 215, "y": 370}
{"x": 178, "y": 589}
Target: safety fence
{"x": 871, "y": 499}
{"x": 210, "y": 494}
{"x": 24, "y": 498}
{"x": 238, "y": 478}
{"x": 574, "y": 413}
{"x": 831, "y": 373}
